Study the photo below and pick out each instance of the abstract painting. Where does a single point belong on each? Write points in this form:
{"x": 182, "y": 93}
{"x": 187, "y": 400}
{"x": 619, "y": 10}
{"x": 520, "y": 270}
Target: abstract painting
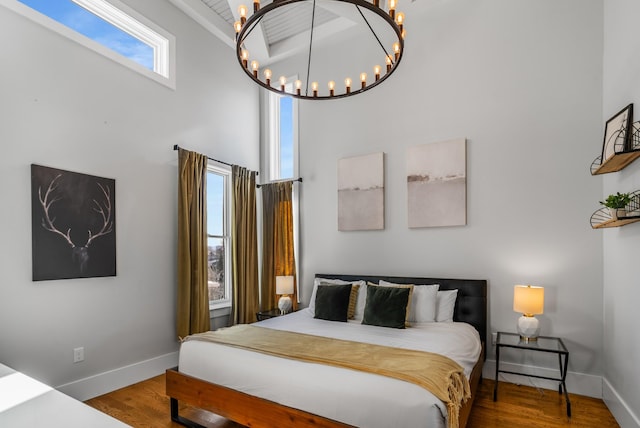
{"x": 73, "y": 224}
{"x": 617, "y": 133}
{"x": 361, "y": 192}
{"x": 437, "y": 184}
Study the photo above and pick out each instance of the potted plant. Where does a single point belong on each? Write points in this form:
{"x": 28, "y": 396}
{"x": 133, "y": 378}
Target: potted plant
{"x": 617, "y": 204}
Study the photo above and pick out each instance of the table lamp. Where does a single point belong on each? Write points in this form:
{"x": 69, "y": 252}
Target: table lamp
{"x": 284, "y": 287}
{"x": 529, "y": 301}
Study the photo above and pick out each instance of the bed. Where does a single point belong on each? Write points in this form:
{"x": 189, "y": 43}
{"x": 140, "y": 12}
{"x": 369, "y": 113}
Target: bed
{"x": 269, "y": 391}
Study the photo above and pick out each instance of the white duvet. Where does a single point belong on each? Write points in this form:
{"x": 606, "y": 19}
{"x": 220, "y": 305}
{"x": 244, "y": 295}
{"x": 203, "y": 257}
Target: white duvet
{"x": 349, "y": 396}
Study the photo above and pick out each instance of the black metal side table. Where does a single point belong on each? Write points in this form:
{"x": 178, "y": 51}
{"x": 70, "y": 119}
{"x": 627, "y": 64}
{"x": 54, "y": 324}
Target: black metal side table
{"x": 542, "y": 344}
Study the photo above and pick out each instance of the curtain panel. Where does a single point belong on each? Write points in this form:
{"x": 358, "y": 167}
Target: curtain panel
{"x": 277, "y": 241}
{"x": 193, "y": 293}
{"x": 244, "y": 245}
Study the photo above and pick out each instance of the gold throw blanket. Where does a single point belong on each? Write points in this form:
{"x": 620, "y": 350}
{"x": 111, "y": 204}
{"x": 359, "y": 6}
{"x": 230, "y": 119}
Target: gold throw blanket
{"x": 438, "y": 374}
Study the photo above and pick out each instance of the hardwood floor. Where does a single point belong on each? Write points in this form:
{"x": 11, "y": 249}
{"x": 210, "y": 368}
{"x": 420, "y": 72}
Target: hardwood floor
{"x": 146, "y": 405}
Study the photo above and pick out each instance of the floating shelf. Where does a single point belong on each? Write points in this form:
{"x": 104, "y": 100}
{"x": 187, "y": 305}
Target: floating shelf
{"x": 602, "y": 218}
{"x": 622, "y": 156}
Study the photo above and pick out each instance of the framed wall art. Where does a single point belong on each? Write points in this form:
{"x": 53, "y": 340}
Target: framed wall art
{"x": 617, "y": 133}
{"x": 361, "y": 192}
{"x": 73, "y": 224}
{"x": 437, "y": 184}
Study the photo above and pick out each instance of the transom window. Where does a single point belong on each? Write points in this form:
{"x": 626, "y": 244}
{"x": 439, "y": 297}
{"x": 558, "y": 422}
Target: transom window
{"x": 110, "y": 28}
{"x": 283, "y": 136}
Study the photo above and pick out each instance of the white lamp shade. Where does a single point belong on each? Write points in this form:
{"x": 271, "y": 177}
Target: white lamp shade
{"x": 284, "y": 284}
{"x": 528, "y": 299}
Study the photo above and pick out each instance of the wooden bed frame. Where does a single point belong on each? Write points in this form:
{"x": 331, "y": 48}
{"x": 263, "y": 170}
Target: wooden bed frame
{"x": 471, "y": 307}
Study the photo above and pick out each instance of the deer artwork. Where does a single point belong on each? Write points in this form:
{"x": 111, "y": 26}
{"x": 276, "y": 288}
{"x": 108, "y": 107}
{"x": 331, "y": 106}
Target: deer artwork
{"x": 79, "y": 254}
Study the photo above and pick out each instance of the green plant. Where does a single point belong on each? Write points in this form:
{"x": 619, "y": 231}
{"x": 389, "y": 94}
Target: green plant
{"x": 617, "y": 201}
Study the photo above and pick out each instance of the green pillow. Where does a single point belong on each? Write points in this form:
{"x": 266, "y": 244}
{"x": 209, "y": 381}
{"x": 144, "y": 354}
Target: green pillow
{"x": 332, "y": 302}
{"x": 386, "y": 306}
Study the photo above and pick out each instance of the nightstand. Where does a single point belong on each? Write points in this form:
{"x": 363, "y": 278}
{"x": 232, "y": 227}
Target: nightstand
{"x": 542, "y": 344}
{"x": 272, "y": 313}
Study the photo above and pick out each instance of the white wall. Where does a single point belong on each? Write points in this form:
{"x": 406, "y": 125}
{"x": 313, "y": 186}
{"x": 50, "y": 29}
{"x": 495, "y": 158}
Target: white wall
{"x": 67, "y": 107}
{"x": 522, "y": 81}
{"x": 621, "y": 292}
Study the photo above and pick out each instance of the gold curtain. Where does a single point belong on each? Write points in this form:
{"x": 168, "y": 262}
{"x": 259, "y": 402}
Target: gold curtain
{"x": 244, "y": 245}
{"x": 277, "y": 241}
{"x": 193, "y": 292}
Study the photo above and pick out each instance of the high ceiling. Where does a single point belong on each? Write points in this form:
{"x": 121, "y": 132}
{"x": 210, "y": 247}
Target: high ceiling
{"x": 281, "y": 32}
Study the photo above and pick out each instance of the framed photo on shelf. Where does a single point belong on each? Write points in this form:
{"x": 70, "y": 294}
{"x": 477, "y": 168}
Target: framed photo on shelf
{"x": 617, "y": 133}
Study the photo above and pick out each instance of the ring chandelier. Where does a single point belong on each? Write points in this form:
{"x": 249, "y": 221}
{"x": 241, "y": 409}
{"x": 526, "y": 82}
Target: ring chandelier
{"x": 390, "y": 55}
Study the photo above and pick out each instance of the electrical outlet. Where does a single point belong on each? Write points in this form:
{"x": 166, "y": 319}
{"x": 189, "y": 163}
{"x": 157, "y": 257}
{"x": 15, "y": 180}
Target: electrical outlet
{"x": 494, "y": 338}
{"x": 78, "y": 354}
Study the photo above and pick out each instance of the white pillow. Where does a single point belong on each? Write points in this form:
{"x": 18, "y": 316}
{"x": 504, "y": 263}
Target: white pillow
{"x": 445, "y": 304}
{"x": 362, "y": 295}
{"x": 423, "y": 301}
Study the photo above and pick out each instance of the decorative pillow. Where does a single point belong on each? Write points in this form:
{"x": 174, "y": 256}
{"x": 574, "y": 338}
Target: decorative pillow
{"x": 359, "y": 293}
{"x": 445, "y": 305}
{"x": 332, "y": 302}
{"x": 387, "y": 306}
{"x": 423, "y": 301}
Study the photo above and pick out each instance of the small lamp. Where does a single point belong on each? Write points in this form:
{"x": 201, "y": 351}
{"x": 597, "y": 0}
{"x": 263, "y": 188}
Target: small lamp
{"x": 529, "y": 301}
{"x": 284, "y": 287}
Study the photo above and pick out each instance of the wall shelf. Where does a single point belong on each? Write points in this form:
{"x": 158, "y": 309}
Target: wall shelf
{"x": 602, "y": 218}
{"x": 622, "y": 157}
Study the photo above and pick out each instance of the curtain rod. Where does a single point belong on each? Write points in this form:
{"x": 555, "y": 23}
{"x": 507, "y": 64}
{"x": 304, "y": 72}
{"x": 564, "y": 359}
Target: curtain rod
{"x": 176, "y": 147}
{"x": 280, "y": 181}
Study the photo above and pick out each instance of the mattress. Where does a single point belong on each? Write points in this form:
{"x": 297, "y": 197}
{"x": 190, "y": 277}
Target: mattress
{"x": 352, "y": 397}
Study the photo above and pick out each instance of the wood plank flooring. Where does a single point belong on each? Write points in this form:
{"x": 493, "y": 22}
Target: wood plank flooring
{"x": 145, "y": 405}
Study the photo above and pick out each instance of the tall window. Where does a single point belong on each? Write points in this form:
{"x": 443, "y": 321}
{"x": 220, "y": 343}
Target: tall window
{"x": 116, "y": 32}
{"x": 283, "y": 137}
{"x": 218, "y": 232}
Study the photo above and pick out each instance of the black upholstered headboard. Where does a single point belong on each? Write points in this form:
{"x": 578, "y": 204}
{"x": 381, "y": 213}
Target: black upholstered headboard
{"x": 471, "y": 304}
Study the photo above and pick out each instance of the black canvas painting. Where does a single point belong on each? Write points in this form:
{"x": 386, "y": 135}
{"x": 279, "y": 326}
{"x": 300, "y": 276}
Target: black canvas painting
{"x": 73, "y": 224}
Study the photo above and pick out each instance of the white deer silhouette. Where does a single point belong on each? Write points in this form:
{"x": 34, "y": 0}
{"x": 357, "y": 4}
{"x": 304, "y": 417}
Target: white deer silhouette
{"x": 79, "y": 254}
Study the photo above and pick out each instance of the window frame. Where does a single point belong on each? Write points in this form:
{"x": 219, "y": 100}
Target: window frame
{"x": 225, "y": 171}
{"x": 126, "y": 19}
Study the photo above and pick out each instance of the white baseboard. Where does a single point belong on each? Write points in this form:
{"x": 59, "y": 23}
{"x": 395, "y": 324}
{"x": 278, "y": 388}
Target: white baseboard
{"x": 577, "y": 383}
{"x": 102, "y": 383}
{"x": 618, "y": 407}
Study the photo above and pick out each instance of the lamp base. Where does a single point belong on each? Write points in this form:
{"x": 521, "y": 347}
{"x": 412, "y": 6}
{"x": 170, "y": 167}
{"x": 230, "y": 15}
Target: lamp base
{"x": 528, "y": 328}
{"x": 284, "y": 304}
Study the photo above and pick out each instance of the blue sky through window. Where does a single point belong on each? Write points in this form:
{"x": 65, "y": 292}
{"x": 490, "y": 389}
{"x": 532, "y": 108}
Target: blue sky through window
{"x": 86, "y": 23}
{"x": 286, "y": 137}
{"x": 215, "y": 204}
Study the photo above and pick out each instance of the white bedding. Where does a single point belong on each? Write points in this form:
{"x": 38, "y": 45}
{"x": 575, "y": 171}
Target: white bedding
{"x": 356, "y": 398}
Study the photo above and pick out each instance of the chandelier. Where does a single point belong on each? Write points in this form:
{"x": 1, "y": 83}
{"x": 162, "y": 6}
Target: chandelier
{"x": 380, "y": 41}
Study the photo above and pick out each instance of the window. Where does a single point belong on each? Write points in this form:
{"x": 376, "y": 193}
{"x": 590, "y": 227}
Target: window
{"x": 218, "y": 233}
{"x": 109, "y": 30}
{"x": 283, "y": 133}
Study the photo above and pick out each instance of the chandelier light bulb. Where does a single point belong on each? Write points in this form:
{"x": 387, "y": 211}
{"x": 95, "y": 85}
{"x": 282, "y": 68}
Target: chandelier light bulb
{"x": 237, "y": 26}
{"x": 347, "y": 85}
{"x": 314, "y": 87}
{"x": 298, "y": 84}
{"x": 389, "y": 62}
{"x": 245, "y": 57}
{"x": 255, "y": 65}
{"x": 403, "y": 33}
{"x": 242, "y": 11}
{"x": 267, "y": 75}
{"x": 376, "y": 71}
{"x": 396, "y": 50}
{"x": 363, "y": 79}
{"x": 283, "y": 82}
{"x": 392, "y": 8}
{"x": 400, "y": 22}
{"x": 332, "y": 86}
{"x": 256, "y": 5}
